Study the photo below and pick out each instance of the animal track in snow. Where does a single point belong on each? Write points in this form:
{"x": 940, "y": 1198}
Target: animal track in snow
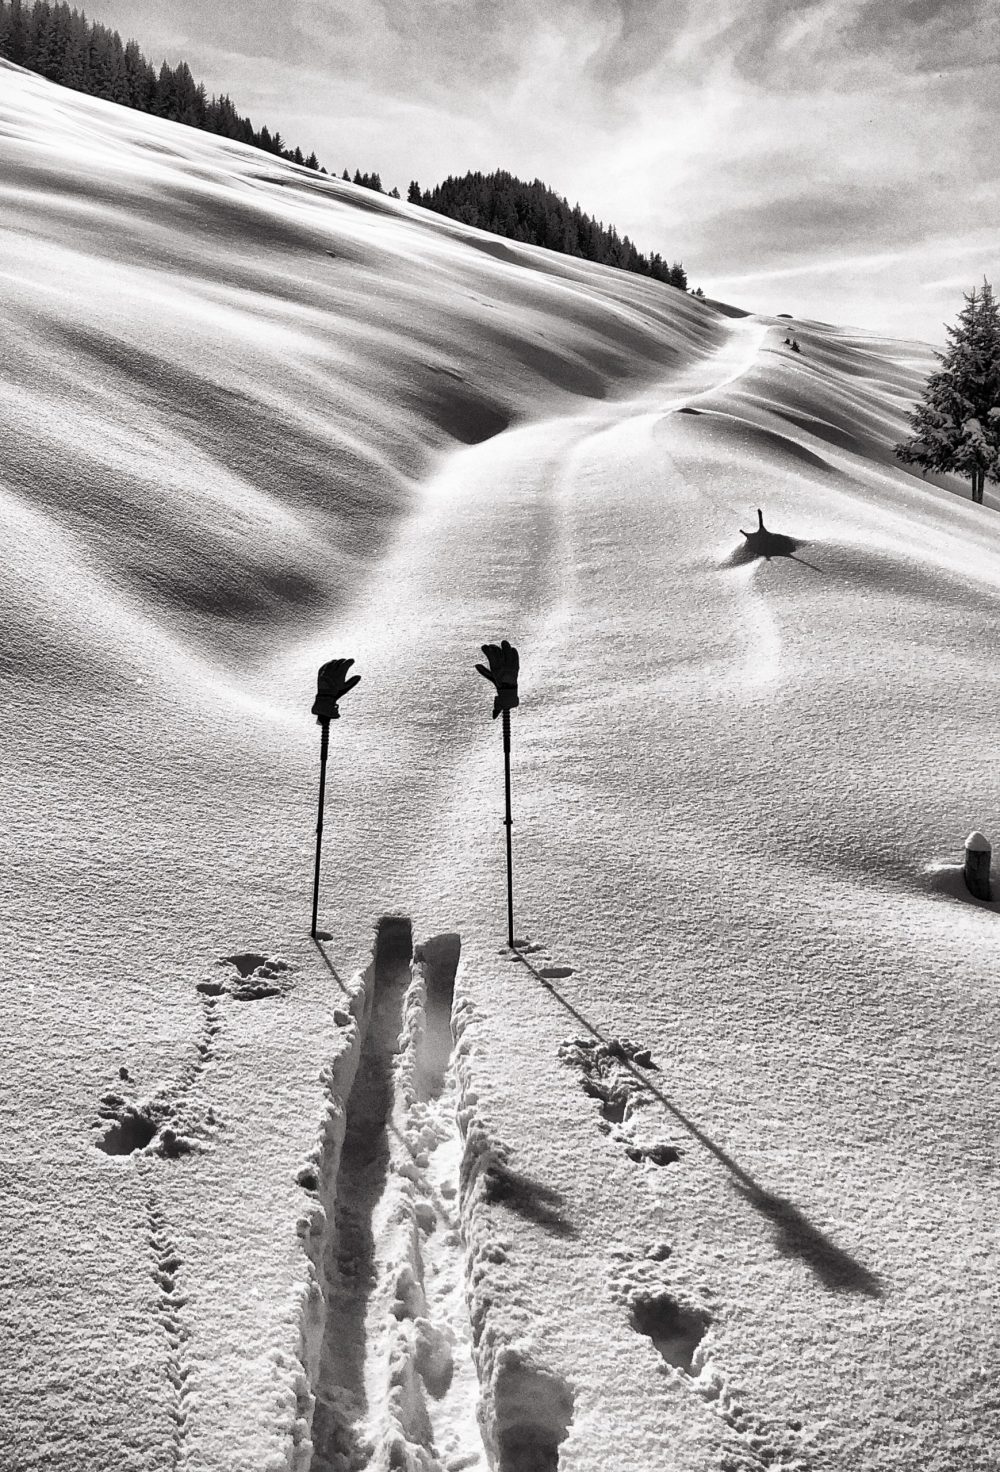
{"x": 161, "y": 1125}
{"x": 165, "y": 1269}
{"x": 609, "y": 1076}
{"x": 754, "y": 1443}
{"x": 246, "y": 962}
{"x": 152, "y": 1128}
{"x": 658, "y": 1154}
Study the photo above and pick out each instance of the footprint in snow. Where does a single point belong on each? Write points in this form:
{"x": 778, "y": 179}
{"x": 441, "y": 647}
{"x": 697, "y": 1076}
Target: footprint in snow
{"x": 676, "y": 1317}
{"x": 610, "y": 1072}
{"x": 257, "y": 977}
{"x": 525, "y": 948}
{"x": 676, "y": 1320}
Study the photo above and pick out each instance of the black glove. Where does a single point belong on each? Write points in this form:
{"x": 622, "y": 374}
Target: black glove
{"x": 504, "y": 665}
{"x": 331, "y": 686}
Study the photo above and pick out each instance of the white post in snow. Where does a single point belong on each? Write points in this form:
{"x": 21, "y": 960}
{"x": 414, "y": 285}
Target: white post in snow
{"x": 977, "y": 865}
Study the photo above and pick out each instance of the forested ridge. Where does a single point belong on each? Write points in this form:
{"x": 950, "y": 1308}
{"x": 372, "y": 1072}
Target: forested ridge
{"x": 61, "y": 44}
{"x": 534, "y": 213}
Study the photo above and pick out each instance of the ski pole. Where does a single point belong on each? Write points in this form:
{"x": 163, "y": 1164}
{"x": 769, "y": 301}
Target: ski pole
{"x": 324, "y": 746}
{"x": 332, "y": 684}
{"x": 504, "y": 666}
{"x": 509, "y": 821}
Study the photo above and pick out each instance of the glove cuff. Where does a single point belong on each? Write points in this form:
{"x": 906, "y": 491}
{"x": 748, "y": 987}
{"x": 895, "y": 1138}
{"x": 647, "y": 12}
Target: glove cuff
{"x": 506, "y": 699}
{"x": 325, "y": 708}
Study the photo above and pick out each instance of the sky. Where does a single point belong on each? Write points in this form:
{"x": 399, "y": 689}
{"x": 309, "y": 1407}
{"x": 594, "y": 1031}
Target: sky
{"x": 833, "y": 159}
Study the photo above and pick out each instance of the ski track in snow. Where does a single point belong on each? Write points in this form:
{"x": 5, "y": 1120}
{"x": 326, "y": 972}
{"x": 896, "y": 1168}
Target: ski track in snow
{"x": 394, "y": 1379}
{"x": 627, "y": 435}
{"x": 408, "y": 1368}
{"x": 396, "y": 1373}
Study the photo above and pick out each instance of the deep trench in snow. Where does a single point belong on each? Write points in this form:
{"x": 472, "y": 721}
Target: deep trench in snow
{"x": 396, "y": 1383}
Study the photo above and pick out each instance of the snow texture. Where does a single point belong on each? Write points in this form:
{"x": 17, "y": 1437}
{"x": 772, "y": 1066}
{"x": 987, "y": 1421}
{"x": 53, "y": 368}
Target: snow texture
{"x": 703, "y": 1176}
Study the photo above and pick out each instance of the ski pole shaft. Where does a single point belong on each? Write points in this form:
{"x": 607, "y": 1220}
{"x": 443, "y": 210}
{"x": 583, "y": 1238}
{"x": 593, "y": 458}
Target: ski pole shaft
{"x": 324, "y": 744}
{"x": 508, "y": 820}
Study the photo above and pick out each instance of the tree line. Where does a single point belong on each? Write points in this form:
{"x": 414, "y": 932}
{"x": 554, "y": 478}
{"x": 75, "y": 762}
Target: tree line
{"x": 537, "y": 215}
{"x": 62, "y": 45}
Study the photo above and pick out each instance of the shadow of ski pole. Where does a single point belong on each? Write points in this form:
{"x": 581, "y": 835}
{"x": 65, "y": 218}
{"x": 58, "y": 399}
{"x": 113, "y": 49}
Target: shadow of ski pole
{"x": 796, "y": 1235}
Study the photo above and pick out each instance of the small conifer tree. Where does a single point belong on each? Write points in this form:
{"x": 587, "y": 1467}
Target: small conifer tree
{"x": 957, "y": 422}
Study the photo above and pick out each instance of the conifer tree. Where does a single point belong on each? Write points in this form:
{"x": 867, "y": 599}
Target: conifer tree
{"x": 957, "y": 422}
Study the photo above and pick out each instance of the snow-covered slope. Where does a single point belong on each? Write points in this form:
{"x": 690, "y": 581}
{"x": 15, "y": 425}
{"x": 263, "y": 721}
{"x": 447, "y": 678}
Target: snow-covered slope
{"x": 251, "y": 419}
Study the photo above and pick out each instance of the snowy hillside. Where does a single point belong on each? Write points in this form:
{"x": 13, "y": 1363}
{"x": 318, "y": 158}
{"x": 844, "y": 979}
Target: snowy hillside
{"x": 705, "y": 1179}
